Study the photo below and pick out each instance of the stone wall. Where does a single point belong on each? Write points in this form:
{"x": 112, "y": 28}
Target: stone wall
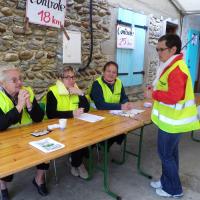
{"x": 77, "y": 18}
{"x": 37, "y": 50}
{"x": 155, "y": 31}
{"x": 32, "y": 48}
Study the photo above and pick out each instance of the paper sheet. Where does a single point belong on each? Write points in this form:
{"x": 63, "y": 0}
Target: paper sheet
{"x": 90, "y": 117}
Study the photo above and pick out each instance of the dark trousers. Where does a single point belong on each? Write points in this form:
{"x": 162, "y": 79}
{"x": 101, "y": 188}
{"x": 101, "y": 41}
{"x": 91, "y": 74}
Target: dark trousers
{"x": 77, "y": 157}
{"x": 169, "y": 156}
{"x": 118, "y": 139}
{"x": 43, "y": 166}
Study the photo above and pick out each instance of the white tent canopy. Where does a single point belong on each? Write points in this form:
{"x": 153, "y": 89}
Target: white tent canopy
{"x": 187, "y": 6}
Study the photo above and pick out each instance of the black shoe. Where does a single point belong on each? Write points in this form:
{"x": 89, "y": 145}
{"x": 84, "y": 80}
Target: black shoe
{"x": 4, "y": 194}
{"x": 42, "y": 190}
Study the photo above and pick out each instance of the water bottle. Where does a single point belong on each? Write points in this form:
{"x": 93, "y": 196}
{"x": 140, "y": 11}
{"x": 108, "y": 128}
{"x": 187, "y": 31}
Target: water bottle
{"x": 148, "y": 91}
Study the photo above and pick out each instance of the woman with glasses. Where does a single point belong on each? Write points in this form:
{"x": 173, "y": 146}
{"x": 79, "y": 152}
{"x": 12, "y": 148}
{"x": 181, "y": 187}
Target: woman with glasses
{"x": 66, "y": 100}
{"x": 174, "y": 112}
{"x": 18, "y": 106}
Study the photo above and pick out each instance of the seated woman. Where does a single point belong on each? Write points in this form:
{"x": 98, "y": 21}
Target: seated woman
{"x": 66, "y": 100}
{"x": 18, "y": 106}
{"x": 108, "y": 93}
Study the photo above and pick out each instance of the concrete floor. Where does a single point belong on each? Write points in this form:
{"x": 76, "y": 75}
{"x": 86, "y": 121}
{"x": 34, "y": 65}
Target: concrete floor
{"x": 124, "y": 179}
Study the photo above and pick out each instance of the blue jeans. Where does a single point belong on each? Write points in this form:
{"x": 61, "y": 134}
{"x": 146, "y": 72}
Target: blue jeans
{"x": 168, "y": 152}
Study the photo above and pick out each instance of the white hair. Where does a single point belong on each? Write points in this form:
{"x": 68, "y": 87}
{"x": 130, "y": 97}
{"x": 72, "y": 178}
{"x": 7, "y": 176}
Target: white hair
{"x": 5, "y": 68}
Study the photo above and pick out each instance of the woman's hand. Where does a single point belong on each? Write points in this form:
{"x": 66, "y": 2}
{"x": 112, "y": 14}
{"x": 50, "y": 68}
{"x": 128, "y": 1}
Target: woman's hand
{"x": 78, "y": 112}
{"x": 28, "y": 103}
{"x": 130, "y": 105}
{"x": 22, "y": 96}
{"x": 125, "y": 106}
{"x": 75, "y": 90}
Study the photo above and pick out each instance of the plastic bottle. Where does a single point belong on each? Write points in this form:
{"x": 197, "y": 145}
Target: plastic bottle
{"x": 148, "y": 91}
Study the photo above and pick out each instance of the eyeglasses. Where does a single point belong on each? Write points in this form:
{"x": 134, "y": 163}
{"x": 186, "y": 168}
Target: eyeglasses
{"x": 69, "y": 77}
{"x": 161, "y": 49}
{"x": 15, "y": 80}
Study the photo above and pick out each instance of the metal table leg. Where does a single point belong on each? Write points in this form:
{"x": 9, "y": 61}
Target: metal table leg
{"x": 193, "y": 137}
{"x": 106, "y": 173}
{"x": 138, "y": 155}
{"x": 122, "y": 161}
{"x": 90, "y": 164}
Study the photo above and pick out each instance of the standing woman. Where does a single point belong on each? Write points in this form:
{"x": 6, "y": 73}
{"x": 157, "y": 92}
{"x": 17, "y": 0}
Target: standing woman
{"x": 174, "y": 112}
{"x": 18, "y": 106}
{"x": 66, "y": 100}
{"x": 108, "y": 93}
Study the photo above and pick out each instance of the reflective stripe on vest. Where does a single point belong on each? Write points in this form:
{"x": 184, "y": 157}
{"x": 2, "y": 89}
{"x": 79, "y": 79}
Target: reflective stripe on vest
{"x": 173, "y": 121}
{"x": 109, "y": 96}
{"x": 182, "y": 116}
{"x": 180, "y": 106}
{"x": 65, "y": 102}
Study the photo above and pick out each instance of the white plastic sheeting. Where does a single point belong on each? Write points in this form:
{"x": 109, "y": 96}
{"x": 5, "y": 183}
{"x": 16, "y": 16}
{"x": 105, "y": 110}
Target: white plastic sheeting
{"x": 188, "y": 6}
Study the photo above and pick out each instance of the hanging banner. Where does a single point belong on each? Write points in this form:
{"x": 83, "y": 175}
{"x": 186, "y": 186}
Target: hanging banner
{"x": 46, "y": 12}
{"x": 125, "y": 36}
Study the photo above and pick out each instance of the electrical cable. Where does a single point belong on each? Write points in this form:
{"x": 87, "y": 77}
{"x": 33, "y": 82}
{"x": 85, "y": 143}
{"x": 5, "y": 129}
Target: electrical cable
{"x": 91, "y": 39}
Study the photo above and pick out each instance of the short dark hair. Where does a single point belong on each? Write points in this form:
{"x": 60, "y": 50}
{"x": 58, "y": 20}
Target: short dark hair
{"x": 172, "y": 40}
{"x": 110, "y": 63}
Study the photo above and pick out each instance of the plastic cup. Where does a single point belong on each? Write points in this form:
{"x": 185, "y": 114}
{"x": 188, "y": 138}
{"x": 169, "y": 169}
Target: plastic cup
{"x": 62, "y": 123}
{"x": 147, "y": 104}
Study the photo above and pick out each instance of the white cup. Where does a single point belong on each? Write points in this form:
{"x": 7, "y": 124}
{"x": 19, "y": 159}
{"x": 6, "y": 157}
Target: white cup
{"x": 62, "y": 123}
{"x": 147, "y": 104}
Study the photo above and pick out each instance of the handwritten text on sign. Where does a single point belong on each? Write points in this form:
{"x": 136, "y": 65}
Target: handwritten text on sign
{"x": 46, "y": 12}
{"x": 125, "y": 37}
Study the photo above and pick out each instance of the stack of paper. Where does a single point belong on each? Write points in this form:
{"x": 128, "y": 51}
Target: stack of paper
{"x": 126, "y": 113}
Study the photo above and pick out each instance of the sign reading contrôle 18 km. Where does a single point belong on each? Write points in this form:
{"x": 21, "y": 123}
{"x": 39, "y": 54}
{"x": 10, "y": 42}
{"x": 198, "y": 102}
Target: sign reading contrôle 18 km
{"x": 46, "y": 12}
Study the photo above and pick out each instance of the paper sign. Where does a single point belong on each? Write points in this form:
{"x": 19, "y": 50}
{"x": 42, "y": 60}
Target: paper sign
{"x": 46, "y": 12}
{"x": 125, "y": 37}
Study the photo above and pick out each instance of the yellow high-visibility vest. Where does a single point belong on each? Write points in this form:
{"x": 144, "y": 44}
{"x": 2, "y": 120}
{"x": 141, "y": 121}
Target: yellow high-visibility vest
{"x": 182, "y": 116}
{"x": 110, "y": 97}
{"x": 65, "y": 102}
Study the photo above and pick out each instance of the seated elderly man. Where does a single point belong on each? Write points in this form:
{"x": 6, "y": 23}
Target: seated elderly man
{"x": 18, "y": 106}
